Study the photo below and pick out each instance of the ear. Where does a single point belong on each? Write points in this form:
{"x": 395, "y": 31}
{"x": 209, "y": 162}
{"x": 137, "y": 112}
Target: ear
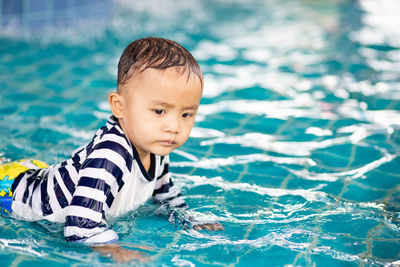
{"x": 116, "y": 103}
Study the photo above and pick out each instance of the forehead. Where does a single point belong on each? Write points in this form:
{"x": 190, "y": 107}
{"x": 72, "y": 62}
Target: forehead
{"x": 170, "y": 77}
{"x": 170, "y": 85}
{"x": 172, "y": 74}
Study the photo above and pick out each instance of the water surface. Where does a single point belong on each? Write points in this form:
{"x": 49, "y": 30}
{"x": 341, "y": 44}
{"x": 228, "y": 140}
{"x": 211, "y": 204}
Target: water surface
{"x": 295, "y": 148}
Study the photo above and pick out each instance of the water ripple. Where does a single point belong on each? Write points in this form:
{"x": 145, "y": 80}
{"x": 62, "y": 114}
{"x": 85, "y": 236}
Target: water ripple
{"x": 350, "y": 174}
{"x": 311, "y": 194}
{"x": 212, "y": 163}
{"x": 270, "y": 143}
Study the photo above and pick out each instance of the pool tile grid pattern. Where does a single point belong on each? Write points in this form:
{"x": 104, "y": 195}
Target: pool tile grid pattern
{"x": 333, "y": 212}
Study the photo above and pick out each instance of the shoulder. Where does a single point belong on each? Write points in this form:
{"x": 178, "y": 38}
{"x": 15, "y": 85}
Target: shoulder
{"x": 113, "y": 137}
{"x": 112, "y": 144}
{"x": 162, "y": 166}
{"x": 162, "y": 161}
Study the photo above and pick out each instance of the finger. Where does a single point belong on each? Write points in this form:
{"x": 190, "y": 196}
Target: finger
{"x": 207, "y": 227}
{"x": 144, "y": 259}
{"x": 139, "y": 247}
{"x": 197, "y": 227}
{"x": 133, "y": 256}
{"x": 213, "y": 227}
{"x": 219, "y": 227}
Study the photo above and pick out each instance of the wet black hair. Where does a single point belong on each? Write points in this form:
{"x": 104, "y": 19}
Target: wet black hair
{"x": 157, "y": 53}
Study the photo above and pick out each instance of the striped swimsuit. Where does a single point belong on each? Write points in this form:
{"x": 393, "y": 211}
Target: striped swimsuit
{"x": 102, "y": 179}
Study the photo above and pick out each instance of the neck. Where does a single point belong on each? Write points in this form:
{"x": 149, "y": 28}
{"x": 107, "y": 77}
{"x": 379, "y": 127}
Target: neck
{"x": 143, "y": 155}
{"x": 144, "y": 158}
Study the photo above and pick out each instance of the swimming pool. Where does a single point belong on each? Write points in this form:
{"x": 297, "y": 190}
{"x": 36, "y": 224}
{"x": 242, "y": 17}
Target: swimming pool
{"x": 296, "y": 145}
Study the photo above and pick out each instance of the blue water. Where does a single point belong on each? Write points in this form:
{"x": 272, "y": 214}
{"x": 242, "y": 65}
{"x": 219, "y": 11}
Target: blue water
{"x": 296, "y": 148}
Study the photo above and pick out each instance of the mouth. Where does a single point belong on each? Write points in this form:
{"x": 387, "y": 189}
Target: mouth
{"x": 168, "y": 142}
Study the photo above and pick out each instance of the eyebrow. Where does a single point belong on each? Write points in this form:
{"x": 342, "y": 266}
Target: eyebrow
{"x": 162, "y": 103}
{"x": 168, "y": 105}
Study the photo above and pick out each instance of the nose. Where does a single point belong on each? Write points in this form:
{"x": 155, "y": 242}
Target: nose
{"x": 173, "y": 124}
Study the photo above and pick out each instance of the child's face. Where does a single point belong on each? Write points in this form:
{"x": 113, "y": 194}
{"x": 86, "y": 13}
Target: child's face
{"x": 158, "y": 109}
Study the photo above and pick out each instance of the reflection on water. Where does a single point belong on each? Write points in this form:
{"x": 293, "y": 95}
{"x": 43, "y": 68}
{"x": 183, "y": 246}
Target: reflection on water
{"x": 296, "y": 147}
{"x": 32, "y": 17}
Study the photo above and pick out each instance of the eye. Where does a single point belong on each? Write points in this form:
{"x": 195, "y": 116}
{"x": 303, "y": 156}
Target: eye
{"x": 187, "y": 115}
{"x": 159, "y": 111}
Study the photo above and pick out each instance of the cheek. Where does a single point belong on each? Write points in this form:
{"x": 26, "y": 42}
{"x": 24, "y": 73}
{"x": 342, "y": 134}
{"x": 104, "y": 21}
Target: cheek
{"x": 147, "y": 128}
{"x": 138, "y": 124}
{"x": 186, "y": 131}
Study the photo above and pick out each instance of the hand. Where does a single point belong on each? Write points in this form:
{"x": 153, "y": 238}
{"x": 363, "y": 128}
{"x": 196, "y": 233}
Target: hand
{"x": 180, "y": 217}
{"x": 119, "y": 254}
{"x": 209, "y": 226}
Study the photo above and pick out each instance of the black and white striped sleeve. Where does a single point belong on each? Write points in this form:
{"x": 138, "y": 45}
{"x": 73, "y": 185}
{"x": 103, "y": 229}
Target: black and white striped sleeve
{"x": 165, "y": 192}
{"x": 100, "y": 178}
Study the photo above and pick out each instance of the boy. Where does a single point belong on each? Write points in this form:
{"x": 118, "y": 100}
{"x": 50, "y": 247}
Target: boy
{"x": 158, "y": 93}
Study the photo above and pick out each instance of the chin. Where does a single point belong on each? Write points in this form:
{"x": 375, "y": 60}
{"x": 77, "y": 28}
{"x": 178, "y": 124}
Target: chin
{"x": 162, "y": 152}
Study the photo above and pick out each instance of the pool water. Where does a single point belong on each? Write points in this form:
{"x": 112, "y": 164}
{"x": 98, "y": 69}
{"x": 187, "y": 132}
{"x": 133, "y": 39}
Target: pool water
{"x": 295, "y": 150}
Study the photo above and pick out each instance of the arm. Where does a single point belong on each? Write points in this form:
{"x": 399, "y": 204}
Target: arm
{"x": 173, "y": 205}
{"x": 85, "y": 216}
{"x": 85, "y": 220}
{"x": 100, "y": 178}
